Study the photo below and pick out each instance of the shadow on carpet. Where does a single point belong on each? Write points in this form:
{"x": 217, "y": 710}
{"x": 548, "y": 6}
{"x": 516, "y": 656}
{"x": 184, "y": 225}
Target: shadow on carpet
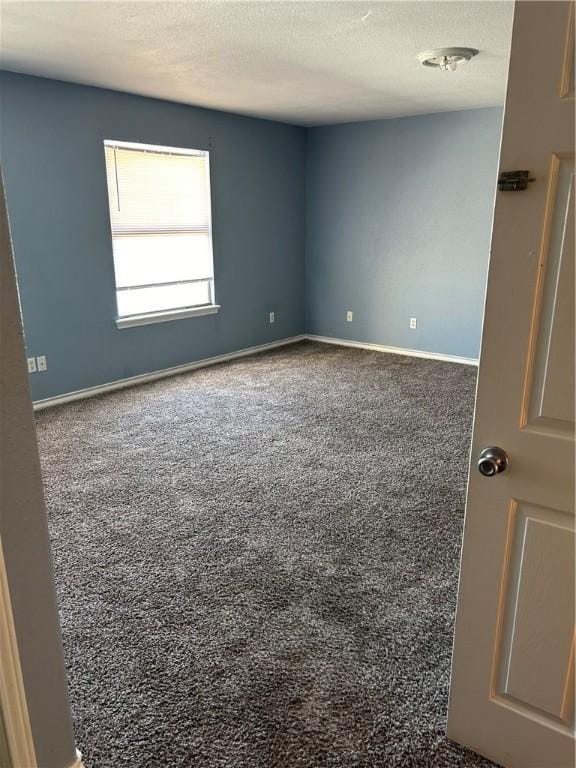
{"x": 257, "y": 562}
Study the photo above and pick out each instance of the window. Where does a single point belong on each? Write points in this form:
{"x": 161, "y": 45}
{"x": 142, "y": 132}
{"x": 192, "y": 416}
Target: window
{"x": 159, "y": 201}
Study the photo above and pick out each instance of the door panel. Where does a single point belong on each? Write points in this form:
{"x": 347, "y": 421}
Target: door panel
{"x": 552, "y": 375}
{"x": 513, "y": 664}
{"x": 538, "y": 612}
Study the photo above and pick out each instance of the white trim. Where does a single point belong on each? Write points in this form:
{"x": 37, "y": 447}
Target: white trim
{"x": 162, "y": 374}
{"x": 395, "y": 350}
{"x": 12, "y": 693}
{"x": 144, "y": 378}
{"x": 130, "y": 321}
{"x": 78, "y": 762}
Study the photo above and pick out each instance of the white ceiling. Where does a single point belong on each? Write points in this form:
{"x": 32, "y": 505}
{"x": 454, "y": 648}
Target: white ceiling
{"x": 309, "y": 62}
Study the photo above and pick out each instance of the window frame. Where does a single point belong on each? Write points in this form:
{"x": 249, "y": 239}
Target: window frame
{"x": 173, "y": 313}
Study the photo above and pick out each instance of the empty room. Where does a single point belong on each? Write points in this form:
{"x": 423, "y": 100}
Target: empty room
{"x": 287, "y": 384}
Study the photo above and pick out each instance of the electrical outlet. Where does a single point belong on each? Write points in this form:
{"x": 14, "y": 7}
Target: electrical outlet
{"x": 41, "y": 363}
{"x": 272, "y": 317}
{"x": 31, "y": 365}
{"x": 349, "y": 316}
{"x": 412, "y": 323}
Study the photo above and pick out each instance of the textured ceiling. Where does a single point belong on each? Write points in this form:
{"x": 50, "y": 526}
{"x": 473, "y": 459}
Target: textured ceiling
{"x": 308, "y": 63}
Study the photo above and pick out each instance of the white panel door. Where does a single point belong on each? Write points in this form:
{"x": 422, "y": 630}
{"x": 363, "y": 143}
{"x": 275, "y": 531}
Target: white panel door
{"x": 512, "y": 691}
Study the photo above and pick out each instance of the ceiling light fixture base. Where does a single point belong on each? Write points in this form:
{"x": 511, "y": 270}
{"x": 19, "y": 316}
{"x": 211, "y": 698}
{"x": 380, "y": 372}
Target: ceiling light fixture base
{"x": 446, "y": 59}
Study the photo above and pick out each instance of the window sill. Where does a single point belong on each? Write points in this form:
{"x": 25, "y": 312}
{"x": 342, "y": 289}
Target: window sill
{"x": 163, "y": 317}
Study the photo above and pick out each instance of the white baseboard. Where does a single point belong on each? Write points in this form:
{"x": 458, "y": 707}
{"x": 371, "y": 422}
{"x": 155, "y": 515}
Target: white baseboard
{"x": 78, "y": 762}
{"x": 144, "y": 378}
{"x": 394, "y": 350}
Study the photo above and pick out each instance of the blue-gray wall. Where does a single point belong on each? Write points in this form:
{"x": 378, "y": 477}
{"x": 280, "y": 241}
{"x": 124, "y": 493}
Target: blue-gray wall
{"x": 399, "y": 216}
{"x": 390, "y": 219}
{"x": 53, "y": 161}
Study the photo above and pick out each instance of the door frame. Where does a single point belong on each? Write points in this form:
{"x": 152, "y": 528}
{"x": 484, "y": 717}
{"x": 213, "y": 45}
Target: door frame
{"x": 33, "y": 691}
{"x": 13, "y": 703}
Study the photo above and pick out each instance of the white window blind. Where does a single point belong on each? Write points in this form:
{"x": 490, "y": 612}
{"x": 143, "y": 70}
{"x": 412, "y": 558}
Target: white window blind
{"x": 161, "y": 227}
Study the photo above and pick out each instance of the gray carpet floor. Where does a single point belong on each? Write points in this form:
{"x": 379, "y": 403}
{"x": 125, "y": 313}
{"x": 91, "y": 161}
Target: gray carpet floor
{"x": 257, "y": 562}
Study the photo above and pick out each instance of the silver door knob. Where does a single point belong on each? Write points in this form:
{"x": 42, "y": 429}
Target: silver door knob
{"x": 492, "y": 461}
